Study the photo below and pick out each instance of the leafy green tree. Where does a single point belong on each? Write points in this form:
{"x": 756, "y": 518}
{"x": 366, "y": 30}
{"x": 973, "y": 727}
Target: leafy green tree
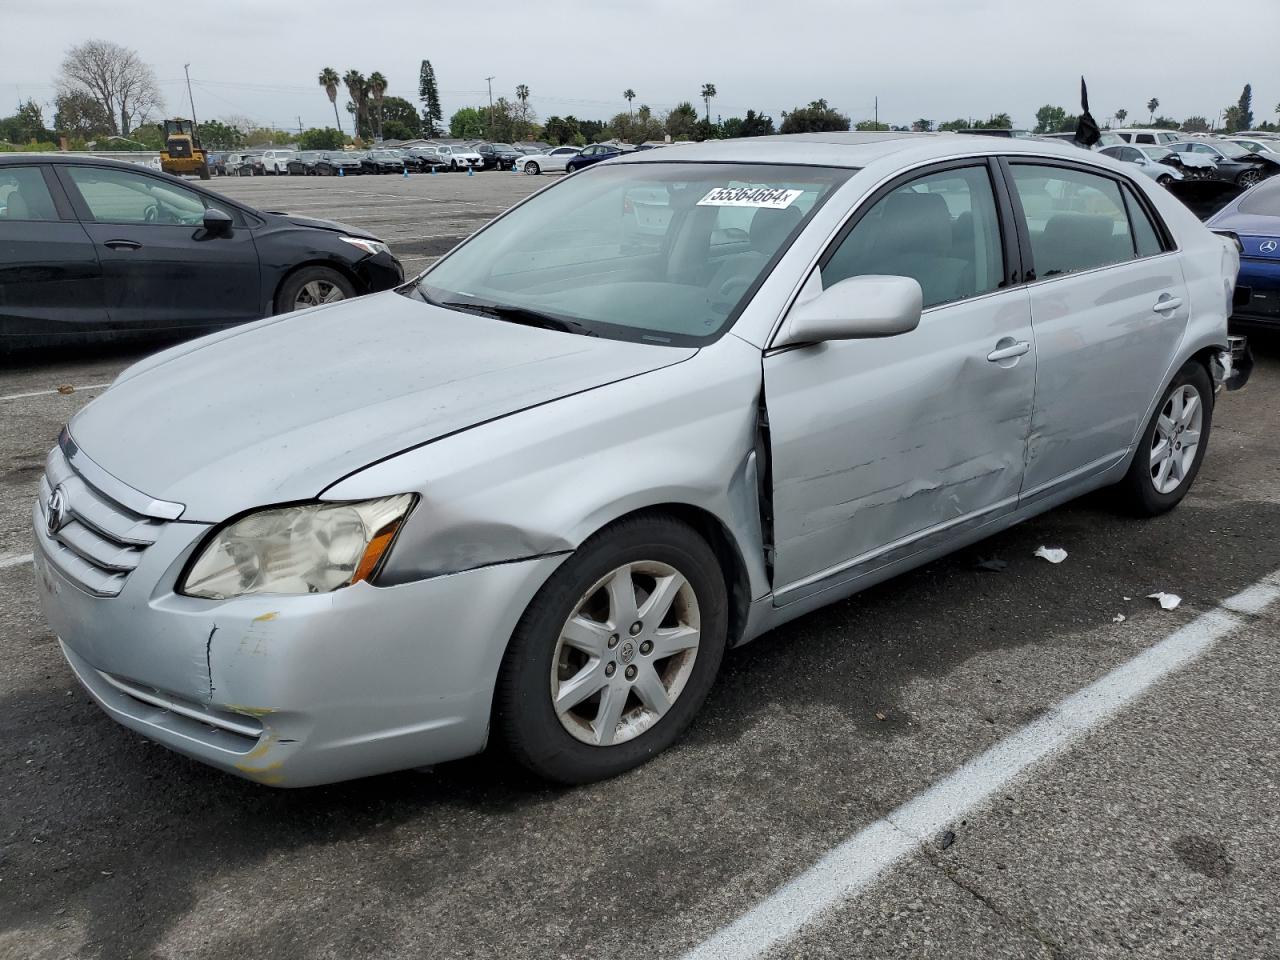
{"x": 79, "y": 116}
{"x": 217, "y": 135}
{"x": 953, "y": 125}
{"x": 997, "y": 121}
{"x": 628, "y": 95}
{"x": 26, "y": 126}
{"x": 468, "y": 123}
{"x": 817, "y": 117}
{"x": 1246, "y": 107}
{"x": 682, "y": 122}
{"x": 706, "y": 130}
{"x": 329, "y": 79}
{"x": 404, "y": 115}
{"x": 561, "y": 130}
{"x": 592, "y": 130}
{"x": 1152, "y": 106}
{"x": 922, "y": 126}
{"x": 1196, "y": 124}
{"x": 321, "y": 138}
{"x": 1165, "y": 123}
{"x": 1049, "y": 119}
{"x": 708, "y": 94}
{"x": 429, "y": 96}
{"x": 865, "y": 125}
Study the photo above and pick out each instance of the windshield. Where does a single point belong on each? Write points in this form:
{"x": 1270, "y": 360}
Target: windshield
{"x": 1264, "y": 199}
{"x": 1232, "y": 150}
{"x": 385, "y": 155}
{"x": 658, "y": 252}
{"x": 504, "y": 146}
{"x": 1156, "y": 153}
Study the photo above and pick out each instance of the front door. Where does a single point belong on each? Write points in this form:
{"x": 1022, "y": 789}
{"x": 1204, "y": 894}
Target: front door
{"x": 1109, "y": 307}
{"x": 161, "y": 269}
{"x": 884, "y": 447}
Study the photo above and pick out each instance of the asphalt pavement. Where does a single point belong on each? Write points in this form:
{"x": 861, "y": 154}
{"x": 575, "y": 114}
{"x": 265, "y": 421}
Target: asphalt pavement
{"x": 1150, "y": 831}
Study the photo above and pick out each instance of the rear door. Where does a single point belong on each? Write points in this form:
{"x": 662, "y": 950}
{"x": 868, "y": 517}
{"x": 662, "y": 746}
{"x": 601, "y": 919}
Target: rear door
{"x": 883, "y": 448}
{"x": 50, "y": 277}
{"x": 1109, "y": 307}
{"x": 161, "y": 269}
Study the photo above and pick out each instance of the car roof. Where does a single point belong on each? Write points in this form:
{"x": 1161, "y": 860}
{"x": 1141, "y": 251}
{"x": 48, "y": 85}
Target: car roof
{"x": 849, "y": 149}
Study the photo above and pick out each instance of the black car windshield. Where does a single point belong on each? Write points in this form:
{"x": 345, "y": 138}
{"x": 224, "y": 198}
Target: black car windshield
{"x": 1263, "y": 200}
{"x": 504, "y": 146}
{"x": 657, "y": 252}
{"x": 1232, "y": 150}
{"x": 385, "y": 155}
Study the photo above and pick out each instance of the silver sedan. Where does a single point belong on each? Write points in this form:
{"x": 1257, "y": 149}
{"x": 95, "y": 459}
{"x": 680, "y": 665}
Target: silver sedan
{"x": 551, "y": 162}
{"x": 645, "y": 416}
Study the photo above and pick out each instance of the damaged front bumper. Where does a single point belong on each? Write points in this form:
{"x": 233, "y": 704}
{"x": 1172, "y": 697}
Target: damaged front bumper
{"x": 1232, "y": 367}
{"x": 293, "y": 690}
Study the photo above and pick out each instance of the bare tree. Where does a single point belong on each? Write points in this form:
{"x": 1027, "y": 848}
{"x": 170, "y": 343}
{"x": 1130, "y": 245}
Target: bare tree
{"x": 116, "y": 78}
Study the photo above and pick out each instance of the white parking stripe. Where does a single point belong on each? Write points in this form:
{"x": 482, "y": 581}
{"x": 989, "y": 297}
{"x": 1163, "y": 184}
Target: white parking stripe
{"x": 45, "y": 393}
{"x": 13, "y": 559}
{"x": 855, "y": 864}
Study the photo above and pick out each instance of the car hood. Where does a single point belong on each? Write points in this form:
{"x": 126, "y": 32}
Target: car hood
{"x": 1195, "y": 160}
{"x": 279, "y": 410}
{"x": 333, "y": 225}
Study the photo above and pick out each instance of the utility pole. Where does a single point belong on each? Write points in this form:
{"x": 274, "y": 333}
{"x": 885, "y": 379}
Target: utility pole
{"x": 489, "y": 80}
{"x": 186, "y": 68}
{"x": 299, "y": 126}
{"x": 877, "y": 112}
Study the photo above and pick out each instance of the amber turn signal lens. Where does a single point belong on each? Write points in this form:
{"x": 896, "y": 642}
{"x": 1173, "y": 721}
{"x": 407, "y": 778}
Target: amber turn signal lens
{"x": 373, "y": 553}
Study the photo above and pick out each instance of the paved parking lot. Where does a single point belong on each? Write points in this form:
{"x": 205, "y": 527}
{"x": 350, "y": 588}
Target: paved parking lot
{"x": 1147, "y": 830}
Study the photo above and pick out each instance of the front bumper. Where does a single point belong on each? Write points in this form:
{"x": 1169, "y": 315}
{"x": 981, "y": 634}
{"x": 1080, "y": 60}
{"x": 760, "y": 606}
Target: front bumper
{"x": 293, "y": 691}
{"x": 382, "y": 271}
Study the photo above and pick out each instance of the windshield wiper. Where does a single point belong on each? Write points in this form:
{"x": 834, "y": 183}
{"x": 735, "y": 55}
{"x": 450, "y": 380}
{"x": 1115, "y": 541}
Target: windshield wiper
{"x": 522, "y": 315}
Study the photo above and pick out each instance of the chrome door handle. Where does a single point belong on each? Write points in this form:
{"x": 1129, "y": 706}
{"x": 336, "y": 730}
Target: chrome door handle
{"x": 1167, "y": 303}
{"x": 1012, "y": 349}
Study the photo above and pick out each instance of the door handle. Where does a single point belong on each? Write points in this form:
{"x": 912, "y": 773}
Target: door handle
{"x": 1008, "y": 348}
{"x": 123, "y": 245}
{"x": 1167, "y": 302}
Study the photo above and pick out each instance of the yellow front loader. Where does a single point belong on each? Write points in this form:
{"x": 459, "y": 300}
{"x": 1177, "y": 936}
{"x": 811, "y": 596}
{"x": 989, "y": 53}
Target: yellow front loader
{"x": 182, "y": 152}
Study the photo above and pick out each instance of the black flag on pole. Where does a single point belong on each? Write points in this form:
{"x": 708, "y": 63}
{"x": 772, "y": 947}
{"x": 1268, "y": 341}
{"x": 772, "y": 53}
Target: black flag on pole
{"x": 1087, "y": 132}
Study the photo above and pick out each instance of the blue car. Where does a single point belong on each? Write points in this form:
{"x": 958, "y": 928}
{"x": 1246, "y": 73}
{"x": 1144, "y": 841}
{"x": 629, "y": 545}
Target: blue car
{"x": 592, "y": 154}
{"x": 1254, "y": 217}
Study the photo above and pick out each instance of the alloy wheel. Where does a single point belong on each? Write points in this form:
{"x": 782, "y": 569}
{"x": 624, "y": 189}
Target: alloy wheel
{"x": 317, "y": 292}
{"x": 1176, "y": 438}
{"x": 1249, "y": 178}
{"x": 626, "y": 653}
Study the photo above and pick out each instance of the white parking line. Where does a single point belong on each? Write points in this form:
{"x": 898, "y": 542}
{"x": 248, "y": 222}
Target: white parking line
{"x": 45, "y": 393}
{"x": 855, "y": 864}
{"x": 13, "y": 559}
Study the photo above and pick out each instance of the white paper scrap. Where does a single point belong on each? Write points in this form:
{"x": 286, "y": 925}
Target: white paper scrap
{"x": 1118, "y": 618}
{"x": 1166, "y": 600}
{"x": 1052, "y": 554}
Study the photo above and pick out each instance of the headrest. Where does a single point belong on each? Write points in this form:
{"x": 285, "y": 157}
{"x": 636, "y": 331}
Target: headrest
{"x": 769, "y": 227}
{"x": 916, "y": 223}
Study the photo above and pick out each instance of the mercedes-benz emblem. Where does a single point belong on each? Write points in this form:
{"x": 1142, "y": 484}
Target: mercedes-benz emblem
{"x": 1268, "y": 246}
{"x": 55, "y": 513}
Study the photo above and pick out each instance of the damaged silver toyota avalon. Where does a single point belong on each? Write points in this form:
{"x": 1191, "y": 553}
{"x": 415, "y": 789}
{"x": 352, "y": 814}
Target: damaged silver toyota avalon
{"x": 651, "y": 412}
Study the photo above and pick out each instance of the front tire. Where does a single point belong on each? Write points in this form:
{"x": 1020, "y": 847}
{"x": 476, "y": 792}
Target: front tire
{"x": 531, "y": 169}
{"x": 1249, "y": 178}
{"x": 311, "y": 287}
{"x": 616, "y": 653}
{"x": 1173, "y": 445}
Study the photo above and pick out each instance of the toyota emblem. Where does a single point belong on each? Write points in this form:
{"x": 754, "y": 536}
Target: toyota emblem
{"x": 1268, "y": 246}
{"x": 55, "y": 514}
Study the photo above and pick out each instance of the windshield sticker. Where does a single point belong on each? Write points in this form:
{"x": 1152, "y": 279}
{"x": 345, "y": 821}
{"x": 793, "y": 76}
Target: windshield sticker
{"x": 772, "y": 197}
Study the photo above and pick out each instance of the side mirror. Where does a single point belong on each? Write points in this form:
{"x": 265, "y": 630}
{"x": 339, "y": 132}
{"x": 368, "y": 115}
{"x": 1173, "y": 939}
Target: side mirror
{"x": 859, "y": 307}
{"x": 217, "y": 223}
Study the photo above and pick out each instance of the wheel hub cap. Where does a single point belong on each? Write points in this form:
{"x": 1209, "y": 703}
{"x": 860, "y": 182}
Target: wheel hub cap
{"x": 1176, "y": 439}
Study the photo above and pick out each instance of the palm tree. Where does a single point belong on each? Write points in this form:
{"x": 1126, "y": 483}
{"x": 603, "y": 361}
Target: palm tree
{"x": 629, "y": 95}
{"x": 1120, "y": 115}
{"x": 708, "y": 91}
{"x": 358, "y": 90}
{"x": 378, "y": 88}
{"x": 1152, "y": 104}
{"x": 522, "y": 94}
{"x": 329, "y": 79}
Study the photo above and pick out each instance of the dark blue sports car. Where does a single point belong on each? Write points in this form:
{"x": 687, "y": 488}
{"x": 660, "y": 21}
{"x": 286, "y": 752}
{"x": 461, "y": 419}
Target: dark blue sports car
{"x": 1254, "y": 217}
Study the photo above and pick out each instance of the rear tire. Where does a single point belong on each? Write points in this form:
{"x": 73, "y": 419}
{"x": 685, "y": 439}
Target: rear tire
{"x": 645, "y": 681}
{"x": 312, "y": 286}
{"x": 532, "y": 169}
{"x": 1172, "y": 446}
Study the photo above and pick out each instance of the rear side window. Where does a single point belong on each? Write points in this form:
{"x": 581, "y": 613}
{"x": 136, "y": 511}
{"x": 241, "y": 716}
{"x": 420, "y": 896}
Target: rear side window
{"x": 1076, "y": 220}
{"x": 940, "y": 230}
{"x": 24, "y": 195}
{"x": 1146, "y": 239}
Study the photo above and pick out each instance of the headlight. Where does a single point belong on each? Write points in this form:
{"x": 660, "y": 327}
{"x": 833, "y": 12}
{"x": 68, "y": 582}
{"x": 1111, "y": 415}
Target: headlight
{"x": 310, "y": 548}
{"x": 368, "y": 246}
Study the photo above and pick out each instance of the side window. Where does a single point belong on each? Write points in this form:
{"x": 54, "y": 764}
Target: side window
{"x": 1144, "y": 138}
{"x": 1076, "y": 220}
{"x": 941, "y": 230}
{"x": 1146, "y": 240}
{"x": 118, "y": 196}
{"x": 24, "y": 195}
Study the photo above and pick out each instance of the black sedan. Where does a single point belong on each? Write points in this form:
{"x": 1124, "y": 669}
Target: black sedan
{"x": 1233, "y": 161}
{"x": 95, "y": 250}
{"x": 592, "y": 154}
{"x": 303, "y": 164}
{"x": 498, "y": 156}
{"x": 331, "y": 164}
{"x": 383, "y": 161}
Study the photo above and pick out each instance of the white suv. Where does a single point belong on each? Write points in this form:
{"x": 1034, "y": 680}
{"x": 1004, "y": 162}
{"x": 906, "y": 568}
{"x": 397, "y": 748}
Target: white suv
{"x": 276, "y": 161}
{"x": 1147, "y": 135}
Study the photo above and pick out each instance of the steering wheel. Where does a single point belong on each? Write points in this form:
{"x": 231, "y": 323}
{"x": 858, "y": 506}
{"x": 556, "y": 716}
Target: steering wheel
{"x": 151, "y": 214}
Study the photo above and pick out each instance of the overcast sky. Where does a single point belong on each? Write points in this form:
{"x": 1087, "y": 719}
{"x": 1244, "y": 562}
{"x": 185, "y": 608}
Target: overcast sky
{"x": 938, "y": 59}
